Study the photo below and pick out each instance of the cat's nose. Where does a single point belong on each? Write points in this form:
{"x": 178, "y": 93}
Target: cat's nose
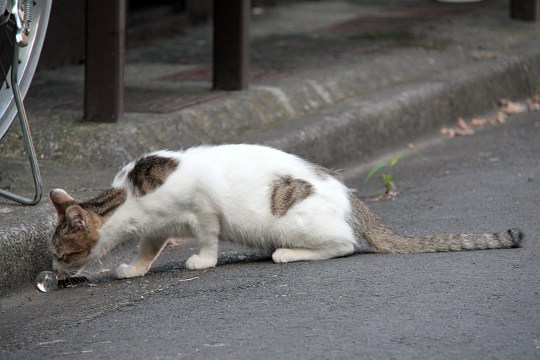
{"x": 57, "y": 266}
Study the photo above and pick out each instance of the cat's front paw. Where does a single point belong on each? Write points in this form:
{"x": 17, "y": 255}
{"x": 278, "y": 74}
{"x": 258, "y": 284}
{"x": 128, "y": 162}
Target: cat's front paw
{"x": 126, "y": 271}
{"x": 196, "y": 262}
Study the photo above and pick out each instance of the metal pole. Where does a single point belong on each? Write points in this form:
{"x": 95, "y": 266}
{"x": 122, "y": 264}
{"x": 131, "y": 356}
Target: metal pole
{"x": 231, "y": 44}
{"x": 528, "y": 10}
{"x": 104, "y": 70}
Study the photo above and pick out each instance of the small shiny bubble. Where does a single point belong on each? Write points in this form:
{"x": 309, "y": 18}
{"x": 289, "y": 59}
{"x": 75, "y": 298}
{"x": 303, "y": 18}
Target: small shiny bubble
{"x": 46, "y": 281}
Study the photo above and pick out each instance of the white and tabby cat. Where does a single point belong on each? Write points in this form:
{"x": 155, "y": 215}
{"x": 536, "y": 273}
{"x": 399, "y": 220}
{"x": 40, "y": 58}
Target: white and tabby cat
{"x": 247, "y": 194}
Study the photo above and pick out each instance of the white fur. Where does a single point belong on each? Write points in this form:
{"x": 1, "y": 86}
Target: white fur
{"x": 225, "y": 191}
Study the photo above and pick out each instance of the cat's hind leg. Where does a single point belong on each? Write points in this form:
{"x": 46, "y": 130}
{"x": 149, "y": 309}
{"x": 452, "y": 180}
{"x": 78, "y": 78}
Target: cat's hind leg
{"x": 320, "y": 237}
{"x": 148, "y": 251}
{"x": 286, "y": 255}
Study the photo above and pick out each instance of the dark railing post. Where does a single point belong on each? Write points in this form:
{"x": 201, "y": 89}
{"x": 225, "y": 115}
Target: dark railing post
{"x": 528, "y": 10}
{"x": 104, "y": 68}
{"x": 231, "y": 44}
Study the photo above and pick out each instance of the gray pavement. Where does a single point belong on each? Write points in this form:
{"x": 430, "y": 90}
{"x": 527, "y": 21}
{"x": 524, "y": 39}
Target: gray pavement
{"x": 339, "y": 83}
{"x": 461, "y": 305}
{"x": 333, "y": 81}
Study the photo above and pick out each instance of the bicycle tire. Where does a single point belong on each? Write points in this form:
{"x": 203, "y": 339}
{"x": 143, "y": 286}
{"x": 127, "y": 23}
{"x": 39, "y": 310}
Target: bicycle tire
{"x": 28, "y": 58}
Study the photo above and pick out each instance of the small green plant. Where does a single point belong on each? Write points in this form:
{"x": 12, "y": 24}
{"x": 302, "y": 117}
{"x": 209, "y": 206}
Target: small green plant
{"x": 385, "y": 168}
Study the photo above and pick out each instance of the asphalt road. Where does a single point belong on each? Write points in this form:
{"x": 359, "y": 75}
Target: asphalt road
{"x": 465, "y": 305}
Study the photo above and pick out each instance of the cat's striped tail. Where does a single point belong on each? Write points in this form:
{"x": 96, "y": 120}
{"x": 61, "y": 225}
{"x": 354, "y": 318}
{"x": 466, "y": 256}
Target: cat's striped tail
{"x": 383, "y": 240}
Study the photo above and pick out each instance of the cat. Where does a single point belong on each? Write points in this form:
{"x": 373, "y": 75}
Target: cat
{"x": 247, "y": 194}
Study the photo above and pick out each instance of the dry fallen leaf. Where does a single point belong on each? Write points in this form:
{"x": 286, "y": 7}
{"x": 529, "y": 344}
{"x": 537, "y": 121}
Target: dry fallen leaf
{"x": 506, "y": 108}
{"x": 501, "y": 117}
{"x": 462, "y": 129}
{"x": 479, "y": 122}
{"x": 384, "y": 196}
{"x": 448, "y": 132}
{"x": 532, "y": 105}
{"x": 511, "y": 107}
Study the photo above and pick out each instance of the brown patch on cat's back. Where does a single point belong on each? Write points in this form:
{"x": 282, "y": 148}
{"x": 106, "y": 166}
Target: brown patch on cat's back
{"x": 288, "y": 191}
{"x": 150, "y": 172}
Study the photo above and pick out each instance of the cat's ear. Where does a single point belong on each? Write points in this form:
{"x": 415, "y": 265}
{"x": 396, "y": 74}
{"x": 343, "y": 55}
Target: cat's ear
{"x": 61, "y": 200}
{"x": 76, "y": 216}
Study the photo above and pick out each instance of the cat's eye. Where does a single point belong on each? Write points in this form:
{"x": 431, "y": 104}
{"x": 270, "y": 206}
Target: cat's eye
{"x": 74, "y": 256}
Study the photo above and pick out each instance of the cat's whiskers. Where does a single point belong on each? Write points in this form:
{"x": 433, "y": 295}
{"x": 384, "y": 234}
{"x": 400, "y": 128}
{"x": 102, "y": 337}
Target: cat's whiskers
{"x": 90, "y": 276}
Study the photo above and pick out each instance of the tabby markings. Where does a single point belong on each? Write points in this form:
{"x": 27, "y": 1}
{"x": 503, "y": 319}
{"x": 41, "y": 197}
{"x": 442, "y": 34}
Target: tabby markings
{"x": 324, "y": 173}
{"x": 106, "y": 202}
{"x": 150, "y": 172}
{"x": 287, "y": 192}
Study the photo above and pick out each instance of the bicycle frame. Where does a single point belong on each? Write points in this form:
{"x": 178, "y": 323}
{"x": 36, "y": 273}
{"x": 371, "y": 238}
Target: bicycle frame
{"x": 27, "y": 141}
{"x": 22, "y": 13}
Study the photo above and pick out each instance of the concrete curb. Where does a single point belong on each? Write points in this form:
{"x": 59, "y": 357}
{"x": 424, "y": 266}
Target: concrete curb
{"x": 24, "y": 252}
{"x": 329, "y": 137}
{"x": 58, "y": 134}
{"x": 400, "y": 114}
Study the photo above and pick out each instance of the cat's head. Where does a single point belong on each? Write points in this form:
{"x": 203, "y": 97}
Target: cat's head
{"x": 75, "y": 235}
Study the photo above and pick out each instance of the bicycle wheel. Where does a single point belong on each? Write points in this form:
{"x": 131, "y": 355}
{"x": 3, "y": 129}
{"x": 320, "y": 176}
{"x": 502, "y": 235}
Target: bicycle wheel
{"x": 28, "y": 59}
